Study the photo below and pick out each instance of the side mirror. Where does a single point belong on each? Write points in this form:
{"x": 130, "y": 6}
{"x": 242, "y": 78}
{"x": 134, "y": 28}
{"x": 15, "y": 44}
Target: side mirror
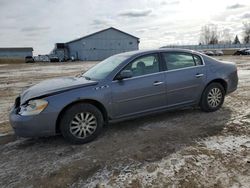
{"x": 124, "y": 74}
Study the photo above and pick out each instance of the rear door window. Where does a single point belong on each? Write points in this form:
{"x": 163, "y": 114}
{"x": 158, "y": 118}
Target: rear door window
{"x": 175, "y": 60}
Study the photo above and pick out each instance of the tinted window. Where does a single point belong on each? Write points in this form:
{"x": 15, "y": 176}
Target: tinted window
{"x": 144, "y": 65}
{"x": 178, "y": 60}
{"x": 198, "y": 60}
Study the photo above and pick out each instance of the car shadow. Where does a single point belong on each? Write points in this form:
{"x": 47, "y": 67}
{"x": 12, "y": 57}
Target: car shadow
{"x": 211, "y": 123}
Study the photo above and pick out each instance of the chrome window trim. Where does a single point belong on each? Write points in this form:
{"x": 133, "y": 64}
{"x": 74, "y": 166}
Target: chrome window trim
{"x": 145, "y": 75}
{"x": 184, "y": 68}
{"x": 203, "y": 64}
{"x": 159, "y": 73}
{"x": 166, "y": 71}
{"x": 192, "y": 54}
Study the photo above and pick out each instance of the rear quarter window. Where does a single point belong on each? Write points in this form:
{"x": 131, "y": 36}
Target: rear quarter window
{"x": 197, "y": 60}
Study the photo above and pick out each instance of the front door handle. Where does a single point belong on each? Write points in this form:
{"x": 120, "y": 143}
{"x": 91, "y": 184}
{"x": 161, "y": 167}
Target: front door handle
{"x": 156, "y": 83}
{"x": 199, "y": 75}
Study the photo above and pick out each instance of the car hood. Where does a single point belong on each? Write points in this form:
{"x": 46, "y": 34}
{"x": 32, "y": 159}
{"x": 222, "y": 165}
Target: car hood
{"x": 53, "y": 86}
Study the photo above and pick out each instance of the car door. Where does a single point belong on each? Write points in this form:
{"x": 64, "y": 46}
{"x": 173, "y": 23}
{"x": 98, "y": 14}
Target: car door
{"x": 144, "y": 91}
{"x": 185, "y": 77}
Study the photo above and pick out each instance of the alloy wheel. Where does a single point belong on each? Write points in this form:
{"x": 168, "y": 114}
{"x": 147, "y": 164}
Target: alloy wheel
{"x": 83, "y": 125}
{"x": 214, "y": 97}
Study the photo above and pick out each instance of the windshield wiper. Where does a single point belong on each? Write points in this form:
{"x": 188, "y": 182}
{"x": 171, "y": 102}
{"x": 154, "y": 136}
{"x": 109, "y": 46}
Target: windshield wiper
{"x": 81, "y": 75}
{"x": 87, "y": 78}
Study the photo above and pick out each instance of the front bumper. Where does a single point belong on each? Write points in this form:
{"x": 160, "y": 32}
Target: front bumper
{"x": 32, "y": 126}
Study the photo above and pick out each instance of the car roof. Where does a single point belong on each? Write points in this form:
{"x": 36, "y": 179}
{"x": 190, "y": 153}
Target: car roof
{"x": 141, "y": 52}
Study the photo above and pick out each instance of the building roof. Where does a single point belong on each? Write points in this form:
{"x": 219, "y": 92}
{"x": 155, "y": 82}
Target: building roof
{"x": 102, "y": 31}
{"x": 17, "y": 48}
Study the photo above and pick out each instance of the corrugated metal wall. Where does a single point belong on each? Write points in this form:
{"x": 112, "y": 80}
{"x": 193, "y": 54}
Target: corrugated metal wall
{"x": 15, "y": 53}
{"x": 102, "y": 45}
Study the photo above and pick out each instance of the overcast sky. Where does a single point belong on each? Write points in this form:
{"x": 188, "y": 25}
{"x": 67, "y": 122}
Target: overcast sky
{"x": 41, "y": 23}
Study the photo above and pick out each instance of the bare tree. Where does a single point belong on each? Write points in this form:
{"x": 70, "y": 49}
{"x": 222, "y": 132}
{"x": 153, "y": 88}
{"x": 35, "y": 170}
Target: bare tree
{"x": 205, "y": 35}
{"x": 246, "y": 32}
{"x": 214, "y": 35}
{"x": 226, "y": 37}
{"x": 209, "y": 34}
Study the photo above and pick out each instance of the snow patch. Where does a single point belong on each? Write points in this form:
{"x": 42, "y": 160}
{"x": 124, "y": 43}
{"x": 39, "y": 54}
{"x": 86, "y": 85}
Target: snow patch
{"x": 192, "y": 162}
{"x": 227, "y": 144}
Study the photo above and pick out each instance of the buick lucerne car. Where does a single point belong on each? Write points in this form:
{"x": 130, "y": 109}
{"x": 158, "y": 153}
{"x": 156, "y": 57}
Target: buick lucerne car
{"x": 123, "y": 86}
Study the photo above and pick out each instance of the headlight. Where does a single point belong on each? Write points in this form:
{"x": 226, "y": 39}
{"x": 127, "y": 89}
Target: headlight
{"x": 33, "y": 107}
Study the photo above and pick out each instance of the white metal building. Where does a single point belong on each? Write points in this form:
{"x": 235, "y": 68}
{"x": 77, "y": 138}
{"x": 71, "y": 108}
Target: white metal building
{"x": 99, "y": 45}
{"x": 20, "y": 52}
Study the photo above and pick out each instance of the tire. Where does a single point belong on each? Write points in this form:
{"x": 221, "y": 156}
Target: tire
{"x": 81, "y": 123}
{"x": 212, "y": 97}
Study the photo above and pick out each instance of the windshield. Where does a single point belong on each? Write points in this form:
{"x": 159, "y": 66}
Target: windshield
{"x": 102, "y": 69}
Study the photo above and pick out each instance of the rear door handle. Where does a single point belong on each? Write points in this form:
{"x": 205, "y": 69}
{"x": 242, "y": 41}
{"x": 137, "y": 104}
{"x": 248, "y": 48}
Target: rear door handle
{"x": 156, "y": 83}
{"x": 199, "y": 75}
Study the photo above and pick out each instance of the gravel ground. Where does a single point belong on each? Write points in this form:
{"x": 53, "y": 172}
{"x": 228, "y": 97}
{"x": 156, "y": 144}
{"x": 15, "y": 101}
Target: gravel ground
{"x": 184, "y": 148}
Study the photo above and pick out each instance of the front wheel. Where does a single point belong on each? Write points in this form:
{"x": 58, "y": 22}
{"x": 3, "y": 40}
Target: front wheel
{"x": 212, "y": 97}
{"x": 81, "y": 123}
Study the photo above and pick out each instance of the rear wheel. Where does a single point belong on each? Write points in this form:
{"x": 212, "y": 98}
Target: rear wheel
{"x": 212, "y": 97}
{"x": 81, "y": 123}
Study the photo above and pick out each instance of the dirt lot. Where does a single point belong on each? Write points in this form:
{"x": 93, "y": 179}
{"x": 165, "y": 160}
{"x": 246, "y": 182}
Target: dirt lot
{"x": 184, "y": 148}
